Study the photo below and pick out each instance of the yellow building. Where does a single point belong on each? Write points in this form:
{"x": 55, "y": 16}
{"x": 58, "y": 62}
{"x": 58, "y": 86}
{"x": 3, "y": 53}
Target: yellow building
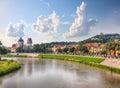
{"x": 118, "y": 53}
{"x": 94, "y": 47}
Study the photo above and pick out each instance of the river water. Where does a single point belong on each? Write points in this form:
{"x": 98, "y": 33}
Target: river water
{"x": 38, "y": 73}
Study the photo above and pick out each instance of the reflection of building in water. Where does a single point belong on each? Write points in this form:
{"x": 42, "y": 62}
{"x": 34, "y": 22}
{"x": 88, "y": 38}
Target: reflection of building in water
{"x": 30, "y": 67}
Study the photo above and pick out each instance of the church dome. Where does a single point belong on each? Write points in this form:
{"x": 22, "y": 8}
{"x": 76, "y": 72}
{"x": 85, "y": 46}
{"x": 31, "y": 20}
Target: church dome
{"x": 29, "y": 40}
{"x": 20, "y": 40}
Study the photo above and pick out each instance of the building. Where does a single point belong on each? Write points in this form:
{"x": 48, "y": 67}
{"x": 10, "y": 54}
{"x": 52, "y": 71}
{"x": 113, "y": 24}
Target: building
{"x": 101, "y": 34}
{"x": 29, "y": 42}
{"x": 20, "y": 42}
{"x": 54, "y": 49}
{"x": 94, "y": 47}
{"x": 13, "y": 48}
{"x": 118, "y": 53}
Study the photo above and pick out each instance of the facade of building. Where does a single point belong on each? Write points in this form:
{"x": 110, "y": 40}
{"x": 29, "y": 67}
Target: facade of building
{"x": 20, "y": 42}
{"x": 118, "y": 53}
{"x": 29, "y": 42}
{"x": 14, "y": 47}
{"x": 94, "y": 47}
{"x": 54, "y": 49}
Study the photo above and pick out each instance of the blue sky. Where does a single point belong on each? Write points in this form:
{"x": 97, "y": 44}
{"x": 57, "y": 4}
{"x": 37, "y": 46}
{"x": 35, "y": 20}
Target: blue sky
{"x": 57, "y": 20}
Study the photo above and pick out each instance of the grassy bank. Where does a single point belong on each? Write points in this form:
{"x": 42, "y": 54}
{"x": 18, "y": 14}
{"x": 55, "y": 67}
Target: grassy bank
{"x": 10, "y": 55}
{"x": 8, "y": 66}
{"x": 81, "y": 59}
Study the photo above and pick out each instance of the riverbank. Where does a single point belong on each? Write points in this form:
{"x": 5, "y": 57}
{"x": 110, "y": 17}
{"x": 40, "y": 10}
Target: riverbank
{"x": 108, "y": 64}
{"x": 115, "y": 63}
{"x": 92, "y": 61}
{"x": 7, "y": 66}
{"x": 17, "y": 55}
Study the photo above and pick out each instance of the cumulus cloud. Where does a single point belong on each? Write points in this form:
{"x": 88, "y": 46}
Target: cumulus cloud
{"x": 46, "y": 25}
{"x": 7, "y": 41}
{"x": 16, "y": 30}
{"x": 81, "y": 25}
{"x": 46, "y": 3}
{"x": 65, "y": 22}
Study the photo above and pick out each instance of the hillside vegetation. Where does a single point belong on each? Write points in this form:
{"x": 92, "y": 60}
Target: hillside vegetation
{"x": 102, "y": 38}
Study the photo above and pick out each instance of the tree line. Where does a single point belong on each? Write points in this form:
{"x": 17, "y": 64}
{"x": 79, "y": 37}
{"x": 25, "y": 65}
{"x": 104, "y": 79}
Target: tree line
{"x": 3, "y": 50}
{"x": 36, "y": 48}
{"x": 47, "y": 48}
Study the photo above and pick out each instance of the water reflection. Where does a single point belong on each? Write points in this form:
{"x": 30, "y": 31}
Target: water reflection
{"x": 37, "y": 73}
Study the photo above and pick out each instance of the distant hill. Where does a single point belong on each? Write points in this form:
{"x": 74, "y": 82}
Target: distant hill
{"x": 102, "y": 38}
{"x": 62, "y": 43}
{"x": 51, "y": 44}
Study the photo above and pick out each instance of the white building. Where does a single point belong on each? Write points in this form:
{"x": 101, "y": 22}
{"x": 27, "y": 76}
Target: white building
{"x": 29, "y": 42}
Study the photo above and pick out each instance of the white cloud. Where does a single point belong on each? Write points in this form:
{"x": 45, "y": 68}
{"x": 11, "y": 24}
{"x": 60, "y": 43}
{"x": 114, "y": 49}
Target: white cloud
{"x": 81, "y": 25}
{"x": 46, "y": 25}
{"x": 65, "y": 22}
{"x": 7, "y": 41}
{"x": 12, "y": 32}
{"x": 46, "y": 3}
{"x": 16, "y": 30}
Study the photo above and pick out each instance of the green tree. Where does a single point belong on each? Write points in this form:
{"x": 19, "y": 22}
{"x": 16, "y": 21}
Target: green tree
{"x": 82, "y": 49}
{"x": 59, "y": 50}
{"x": 20, "y": 49}
{"x": 112, "y": 46}
{"x": 71, "y": 49}
{"x": 36, "y": 48}
{"x": 3, "y": 50}
{"x": 0, "y": 43}
{"x": 65, "y": 50}
{"x": 42, "y": 48}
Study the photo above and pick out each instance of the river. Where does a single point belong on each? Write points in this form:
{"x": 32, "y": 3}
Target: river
{"x": 38, "y": 73}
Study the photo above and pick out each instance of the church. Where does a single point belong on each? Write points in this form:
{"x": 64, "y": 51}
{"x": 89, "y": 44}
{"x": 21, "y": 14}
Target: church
{"x": 22, "y": 44}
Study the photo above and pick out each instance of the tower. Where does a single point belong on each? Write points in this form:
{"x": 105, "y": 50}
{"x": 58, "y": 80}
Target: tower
{"x": 20, "y": 42}
{"x": 101, "y": 34}
{"x": 29, "y": 42}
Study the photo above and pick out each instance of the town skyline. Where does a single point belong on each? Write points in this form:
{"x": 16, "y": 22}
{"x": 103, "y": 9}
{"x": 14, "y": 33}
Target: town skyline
{"x": 59, "y": 21}
{"x": 59, "y": 43}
